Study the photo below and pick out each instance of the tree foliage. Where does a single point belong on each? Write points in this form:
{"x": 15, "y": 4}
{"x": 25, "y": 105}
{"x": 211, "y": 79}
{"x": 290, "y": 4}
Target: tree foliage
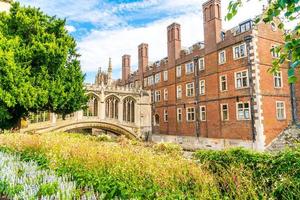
{"x": 39, "y": 66}
{"x": 287, "y": 11}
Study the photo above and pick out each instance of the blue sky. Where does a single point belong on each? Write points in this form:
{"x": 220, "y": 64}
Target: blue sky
{"x": 112, "y": 28}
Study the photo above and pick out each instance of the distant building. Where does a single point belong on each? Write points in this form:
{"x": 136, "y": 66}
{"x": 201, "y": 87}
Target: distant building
{"x": 218, "y": 92}
{"x": 4, "y": 5}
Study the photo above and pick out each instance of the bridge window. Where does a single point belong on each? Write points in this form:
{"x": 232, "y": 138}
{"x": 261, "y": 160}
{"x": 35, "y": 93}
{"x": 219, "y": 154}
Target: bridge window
{"x": 111, "y": 107}
{"x": 128, "y": 109}
{"x": 39, "y": 117}
{"x": 92, "y": 109}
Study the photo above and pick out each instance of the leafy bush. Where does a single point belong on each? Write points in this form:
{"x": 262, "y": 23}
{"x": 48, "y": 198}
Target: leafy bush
{"x": 275, "y": 176}
{"x": 122, "y": 170}
{"x": 169, "y": 148}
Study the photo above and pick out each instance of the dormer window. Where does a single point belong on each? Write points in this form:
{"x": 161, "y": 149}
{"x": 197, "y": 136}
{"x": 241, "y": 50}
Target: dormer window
{"x": 222, "y": 35}
{"x": 245, "y": 26}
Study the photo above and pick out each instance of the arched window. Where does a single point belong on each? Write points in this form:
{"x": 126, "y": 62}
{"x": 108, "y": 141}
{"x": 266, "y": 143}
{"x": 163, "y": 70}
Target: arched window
{"x": 129, "y": 109}
{"x": 92, "y": 107}
{"x": 156, "y": 120}
{"x": 111, "y": 107}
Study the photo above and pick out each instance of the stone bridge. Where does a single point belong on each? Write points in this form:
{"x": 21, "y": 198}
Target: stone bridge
{"x": 118, "y": 110}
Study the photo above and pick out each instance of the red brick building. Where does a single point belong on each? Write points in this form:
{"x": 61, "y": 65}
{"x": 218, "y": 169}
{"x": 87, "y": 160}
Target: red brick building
{"x": 217, "y": 93}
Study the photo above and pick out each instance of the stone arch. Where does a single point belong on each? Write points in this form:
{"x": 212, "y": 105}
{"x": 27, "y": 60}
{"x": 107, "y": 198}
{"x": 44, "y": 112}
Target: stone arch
{"x": 114, "y": 128}
{"x": 129, "y": 109}
{"x": 112, "y": 107}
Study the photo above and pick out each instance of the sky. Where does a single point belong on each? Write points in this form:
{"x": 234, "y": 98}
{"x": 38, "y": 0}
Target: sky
{"x": 112, "y": 28}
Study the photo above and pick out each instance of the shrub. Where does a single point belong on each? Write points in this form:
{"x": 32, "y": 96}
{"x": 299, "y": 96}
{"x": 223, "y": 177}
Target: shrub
{"x": 168, "y": 148}
{"x": 274, "y": 176}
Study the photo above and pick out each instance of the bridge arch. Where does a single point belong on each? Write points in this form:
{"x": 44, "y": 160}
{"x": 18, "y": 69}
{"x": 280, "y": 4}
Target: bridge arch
{"x": 114, "y": 128}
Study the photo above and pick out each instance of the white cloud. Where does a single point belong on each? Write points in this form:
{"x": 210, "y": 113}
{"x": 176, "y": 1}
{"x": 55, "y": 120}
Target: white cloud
{"x": 99, "y": 45}
{"x": 71, "y": 29}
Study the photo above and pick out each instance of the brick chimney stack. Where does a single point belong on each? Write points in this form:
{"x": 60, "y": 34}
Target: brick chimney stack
{"x": 125, "y": 68}
{"x": 143, "y": 59}
{"x": 212, "y": 23}
{"x": 174, "y": 43}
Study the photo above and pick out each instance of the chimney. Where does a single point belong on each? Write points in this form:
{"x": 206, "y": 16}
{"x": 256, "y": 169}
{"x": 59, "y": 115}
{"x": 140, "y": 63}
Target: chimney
{"x": 174, "y": 43}
{"x": 125, "y": 68}
{"x": 143, "y": 59}
{"x": 212, "y": 23}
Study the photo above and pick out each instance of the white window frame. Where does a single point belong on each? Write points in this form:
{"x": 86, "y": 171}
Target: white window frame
{"x": 157, "y": 78}
{"x": 237, "y": 111}
{"x": 165, "y": 115}
{"x": 235, "y": 57}
{"x": 150, "y": 80}
{"x": 189, "y": 65}
{"x": 284, "y": 113}
{"x": 157, "y": 94}
{"x": 179, "y": 88}
{"x": 165, "y": 75}
{"x": 201, "y": 112}
{"x": 235, "y": 79}
{"x": 190, "y": 88}
{"x": 165, "y": 94}
{"x": 202, "y": 87}
{"x": 179, "y": 113}
{"x": 190, "y": 112}
{"x": 277, "y": 76}
{"x": 222, "y": 112}
{"x": 274, "y": 54}
{"x": 220, "y": 60}
{"x": 178, "y": 71}
{"x": 201, "y": 63}
{"x": 221, "y": 81}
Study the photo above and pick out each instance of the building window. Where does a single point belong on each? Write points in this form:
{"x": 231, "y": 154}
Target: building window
{"x": 189, "y": 68}
{"x": 145, "y": 82}
{"x": 92, "y": 107}
{"x": 157, "y": 96}
{"x": 202, "y": 113}
{"x": 165, "y": 75}
{"x": 243, "y": 111}
{"x": 278, "y": 80}
{"x": 280, "y": 110}
{"x": 190, "y": 114}
{"x": 223, "y": 83}
{"x": 112, "y": 107}
{"x": 224, "y": 112}
{"x": 150, "y": 80}
{"x": 165, "y": 115}
{"x": 245, "y": 26}
{"x": 179, "y": 114}
{"x": 241, "y": 79}
{"x": 131, "y": 85}
{"x": 179, "y": 92}
{"x": 165, "y": 94}
{"x": 201, "y": 64}
{"x": 128, "y": 109}
{"x": 178, "y": 71}
{"x": 157, "y": 78}
{"x": 190, "y": 89}
{"x": 222, "y": 57}
{"x": 156, "y": 120}
{"x": 202, "y": 87}
{"x": 275, "y": 52}
{"x": 239, "y": 51}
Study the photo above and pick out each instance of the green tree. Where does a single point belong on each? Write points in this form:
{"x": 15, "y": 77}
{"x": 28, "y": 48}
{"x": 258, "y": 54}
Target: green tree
{"x": 39, "y": 66}
{"x": 287, "y": 11}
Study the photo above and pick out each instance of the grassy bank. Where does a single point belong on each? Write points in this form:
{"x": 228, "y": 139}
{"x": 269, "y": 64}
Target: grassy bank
{"x": 120, "y": 169}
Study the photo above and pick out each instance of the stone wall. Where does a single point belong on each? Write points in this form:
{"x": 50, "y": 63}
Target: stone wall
{"x": 290, "y": 137}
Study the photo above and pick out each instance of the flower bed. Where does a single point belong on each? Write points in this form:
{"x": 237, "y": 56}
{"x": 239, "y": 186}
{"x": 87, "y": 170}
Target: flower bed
{"x": 25, "y": 180}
